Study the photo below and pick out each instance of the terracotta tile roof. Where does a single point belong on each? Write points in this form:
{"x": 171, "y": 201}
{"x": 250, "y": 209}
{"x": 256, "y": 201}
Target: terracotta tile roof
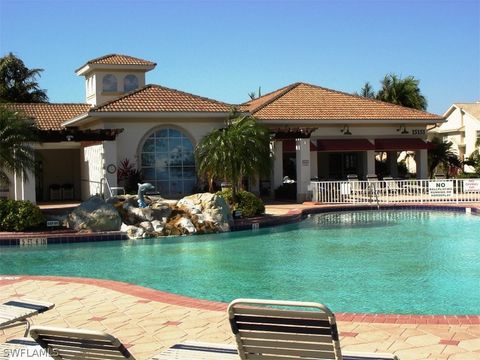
{"x": 117, "y": 59}
{"x": 156, "y": 98}
{"x": 301, "y": 101}
{"x": 49, "y": 116}
{"x": 471, "y": 108}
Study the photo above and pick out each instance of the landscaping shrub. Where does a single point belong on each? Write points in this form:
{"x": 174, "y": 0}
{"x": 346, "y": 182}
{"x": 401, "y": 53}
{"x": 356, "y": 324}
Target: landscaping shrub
{"x": 19, "y": 215}
{"x": 247, "y": 203}
{"x": 129, "y": 176}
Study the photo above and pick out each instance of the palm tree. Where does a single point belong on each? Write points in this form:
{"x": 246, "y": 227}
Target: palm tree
{"x": 474, "y": 159}
{"x": 404, "y": 92}
{"x": 442, "y": 154}
{"x": 367, "y": 91}
{"x": 240, "y": 149}
{"x": 16, "y": 153}
{"x": 18, "y": 83}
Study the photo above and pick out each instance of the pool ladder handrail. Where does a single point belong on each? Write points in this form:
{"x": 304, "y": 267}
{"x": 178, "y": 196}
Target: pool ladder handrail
{"x": 372, "y": 191}
{"x": 104, "y": 183}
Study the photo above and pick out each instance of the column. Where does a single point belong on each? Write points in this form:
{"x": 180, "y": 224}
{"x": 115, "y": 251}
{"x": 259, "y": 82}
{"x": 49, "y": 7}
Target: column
{"x": 277, "y": 164}
{"x": 392, "y": 163}
{"x": 370, "y": 168}
{"x": 313, "y": 164}
{"x": 302, "y": 147}
{"x": 421, "y": 159}
{"x": 24, "y": 189}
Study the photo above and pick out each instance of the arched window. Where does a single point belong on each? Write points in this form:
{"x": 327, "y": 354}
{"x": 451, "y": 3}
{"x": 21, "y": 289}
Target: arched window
{"x": 109, "y": 83}
{"x": 168, "y": 163}
{"x": 130, "y": 83}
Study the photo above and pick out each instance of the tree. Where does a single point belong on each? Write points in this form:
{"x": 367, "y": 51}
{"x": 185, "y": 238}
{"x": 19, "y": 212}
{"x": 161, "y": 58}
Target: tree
{"x": 18, "y": 83}
{"x": 252, "y": 95}
{"x": 474, "y": 159}
{"x": 240, "y": 149}
{"x": 442, "y": 154}
{"x": 16, "y": 153}
{"x": 367, "y": 91}
{"x": 395, "y": 90}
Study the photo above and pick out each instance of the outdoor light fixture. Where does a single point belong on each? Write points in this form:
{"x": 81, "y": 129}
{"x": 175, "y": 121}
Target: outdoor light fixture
{"x": 403, "y": 129}
{"x": 346, "y": 130}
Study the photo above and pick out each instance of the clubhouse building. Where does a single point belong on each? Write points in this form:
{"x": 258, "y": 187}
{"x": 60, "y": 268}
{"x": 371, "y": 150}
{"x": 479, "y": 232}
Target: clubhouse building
{"x": 317, "y": 133}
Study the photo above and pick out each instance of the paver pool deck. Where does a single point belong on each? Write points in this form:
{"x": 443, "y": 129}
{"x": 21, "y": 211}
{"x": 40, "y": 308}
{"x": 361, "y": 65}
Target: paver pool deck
{"x": 149, "y": 321}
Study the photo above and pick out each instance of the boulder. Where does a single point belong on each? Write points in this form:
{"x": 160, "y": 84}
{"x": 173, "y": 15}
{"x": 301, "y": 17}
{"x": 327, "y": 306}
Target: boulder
{"x": 95, "y": 215}
{"x": 199, "y": 213}
{"x": 132, "y": 214}
{"x": 186, "y": 225}
{"x": 147, "y": 226}
{"x": 207, "y": 208}
{"x": 158, "y": 226}
{"x": 135, "y": 232}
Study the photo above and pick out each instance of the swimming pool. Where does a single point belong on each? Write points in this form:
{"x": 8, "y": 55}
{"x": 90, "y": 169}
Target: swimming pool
{"x": 401, "y": 261}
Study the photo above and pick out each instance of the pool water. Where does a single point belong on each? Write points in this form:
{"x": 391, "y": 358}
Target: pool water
{"x": 403, "y": 262}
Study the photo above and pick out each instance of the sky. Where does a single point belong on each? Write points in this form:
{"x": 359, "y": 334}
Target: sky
{"x": 225, "y": 49}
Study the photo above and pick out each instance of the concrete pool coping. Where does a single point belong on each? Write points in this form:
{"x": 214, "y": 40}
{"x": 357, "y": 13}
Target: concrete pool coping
{"x": 276, "y": 214}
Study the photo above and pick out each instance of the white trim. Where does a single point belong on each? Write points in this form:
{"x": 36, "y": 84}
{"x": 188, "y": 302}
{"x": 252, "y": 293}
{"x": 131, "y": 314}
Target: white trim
{"x": 76, "y": 119}
{"x": 87, "y": 68}
{"x": 450, "y": 110}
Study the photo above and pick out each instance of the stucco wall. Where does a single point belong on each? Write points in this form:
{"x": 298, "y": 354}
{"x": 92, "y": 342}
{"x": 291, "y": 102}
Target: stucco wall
{"x": 128, "y": 144}
{"x": 472, "y": 125}
{"x": 91, "y": 170}
{"x": 135, "y": 132}
{"x": 94, "y": 90}
{"x": 463, "y": 140}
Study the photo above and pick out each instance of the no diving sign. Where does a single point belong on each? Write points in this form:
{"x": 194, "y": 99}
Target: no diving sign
{"x": 440, "y": 188}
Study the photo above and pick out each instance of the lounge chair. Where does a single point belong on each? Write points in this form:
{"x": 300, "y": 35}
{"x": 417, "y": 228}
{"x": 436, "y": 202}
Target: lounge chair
{"x": 354, "y": 185}
{"x": 16, "y": 312}
{"x": 24, "y": 348}
{"x": 374, "y": 187}
{"x": 56, "y": 343}
{"x": 392, "y": 186}
{"x": 268, "y": 330}
{"x": 62, "y": 343}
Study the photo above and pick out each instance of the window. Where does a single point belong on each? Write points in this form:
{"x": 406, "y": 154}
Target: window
{"x": 130, "y": 83}
{"x": 167, "y": 162}
{"x": 109, "y": 83}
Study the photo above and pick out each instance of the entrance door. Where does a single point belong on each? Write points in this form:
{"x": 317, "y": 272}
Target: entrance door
{"x": 342, "y": 164}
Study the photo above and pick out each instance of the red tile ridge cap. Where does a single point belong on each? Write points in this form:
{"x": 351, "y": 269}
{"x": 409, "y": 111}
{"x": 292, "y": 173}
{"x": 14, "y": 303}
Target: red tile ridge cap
{"x": 281, "y": 92}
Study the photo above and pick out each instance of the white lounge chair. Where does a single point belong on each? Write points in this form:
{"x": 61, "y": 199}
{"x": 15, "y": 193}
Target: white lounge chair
{"x": 16, "y": 312}
{"x": 61, "y": 343}
{"x": 24, "y": 348}
{"x": 355, "y": 185}
{"x": 57, "y": 343}
{"x": 392, "y": 186}
{"x": 268, "y": 330}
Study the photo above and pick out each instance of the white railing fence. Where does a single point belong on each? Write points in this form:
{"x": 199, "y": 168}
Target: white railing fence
{"x": 396, "y": 191}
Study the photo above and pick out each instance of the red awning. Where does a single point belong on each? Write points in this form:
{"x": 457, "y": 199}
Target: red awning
{"x": 401, "y": 144}
{"x": 344, "y": 145}
{"x": 289, "y": 146}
